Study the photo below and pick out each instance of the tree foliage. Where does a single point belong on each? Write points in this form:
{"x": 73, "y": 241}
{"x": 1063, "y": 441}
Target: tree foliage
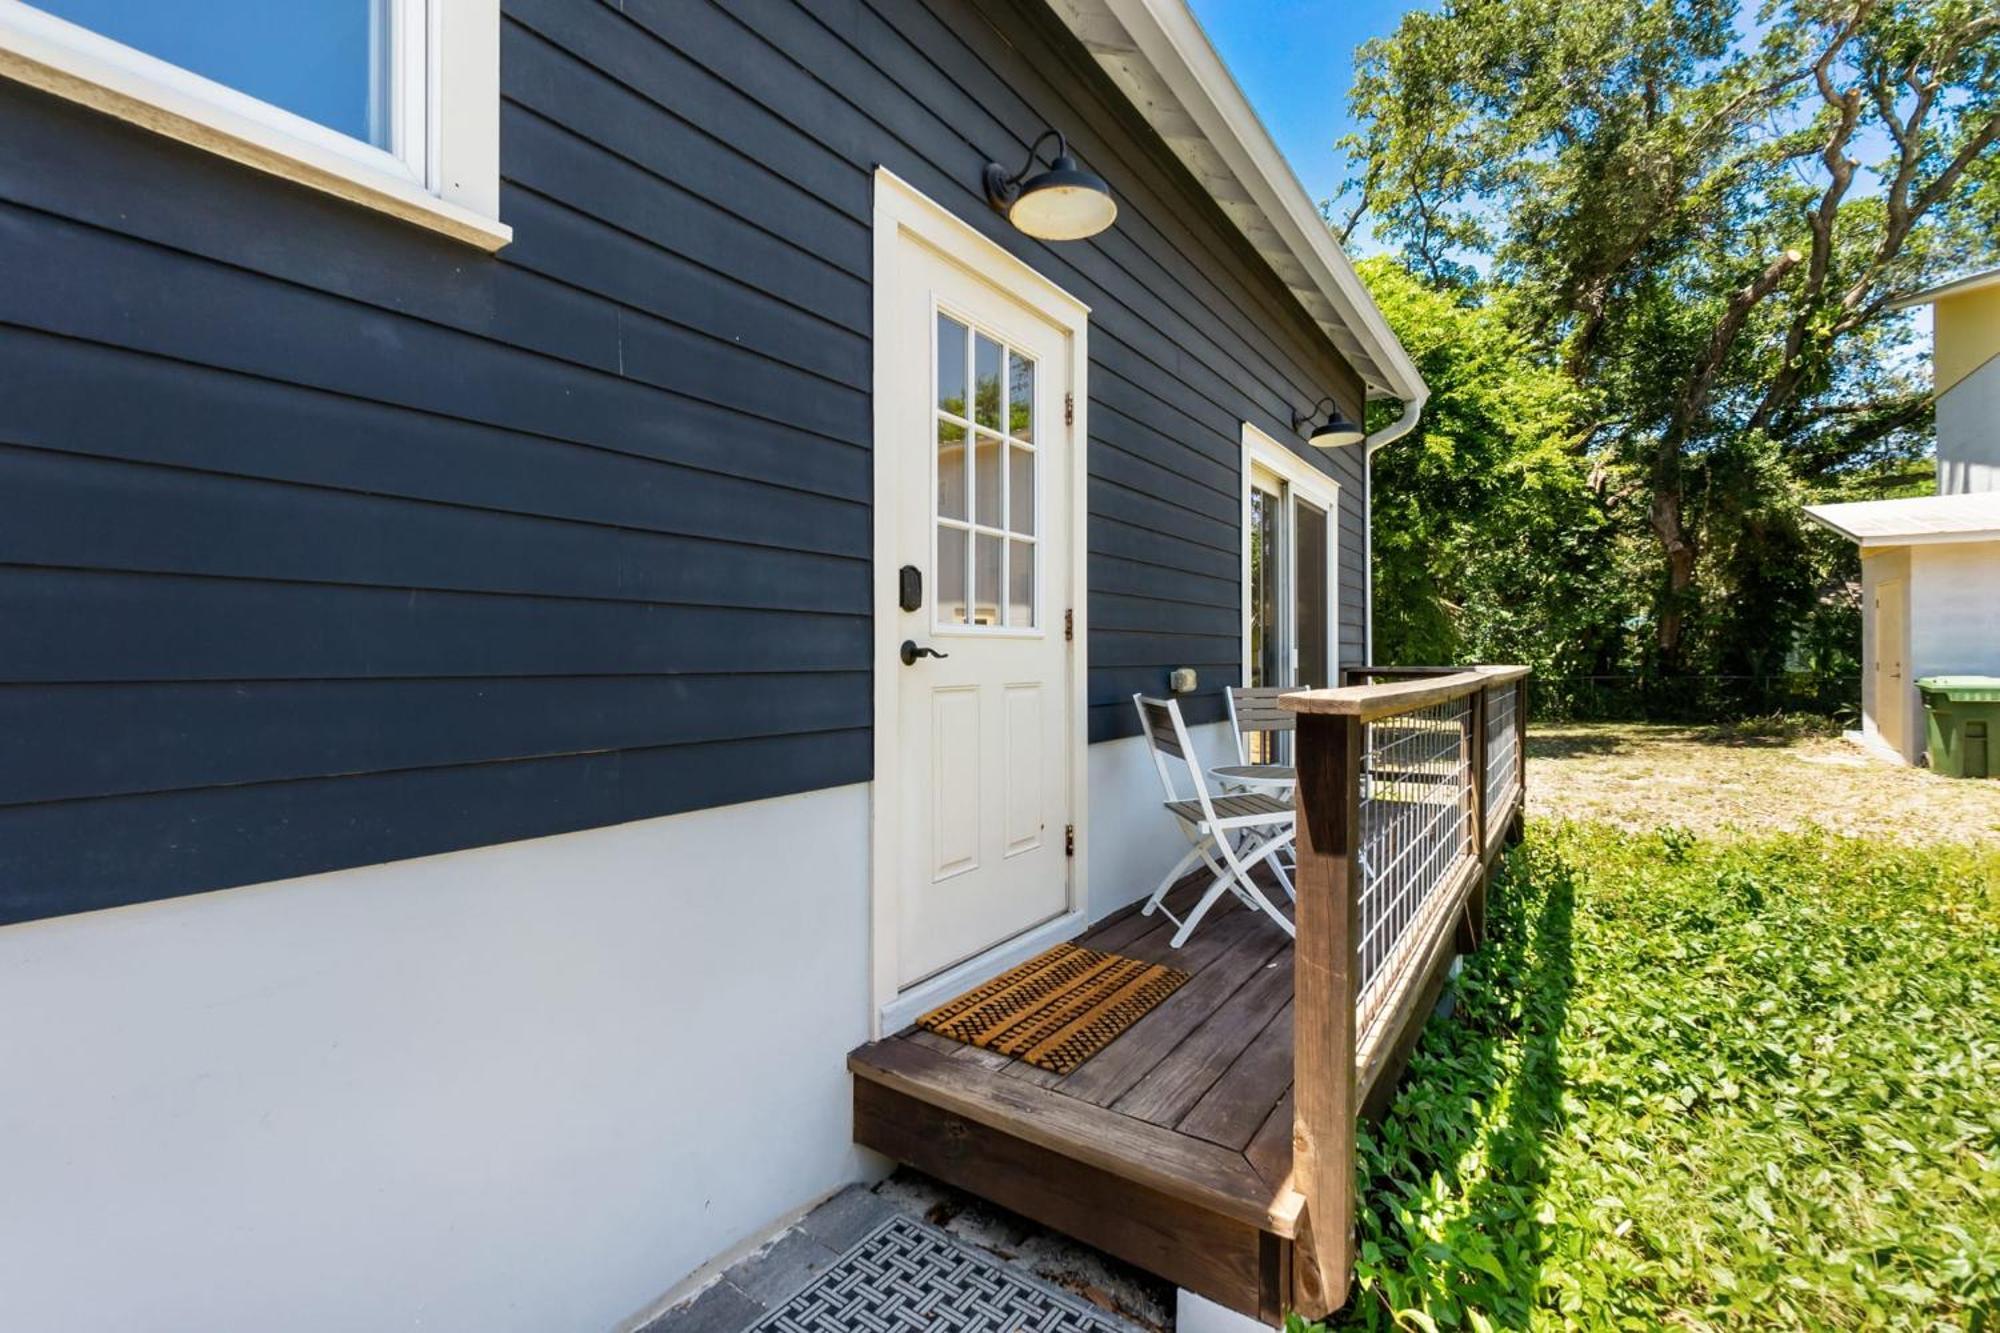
{"x": 1699, "y": 216}
{"x": 1490, "y": 544}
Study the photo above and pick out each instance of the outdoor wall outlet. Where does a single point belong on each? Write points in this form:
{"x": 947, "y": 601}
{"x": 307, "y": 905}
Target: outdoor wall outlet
{"x": 1181, "y": 680}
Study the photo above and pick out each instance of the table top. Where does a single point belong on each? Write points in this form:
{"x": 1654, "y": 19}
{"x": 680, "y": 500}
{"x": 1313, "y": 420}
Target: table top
{"x": 1273, "y": 774}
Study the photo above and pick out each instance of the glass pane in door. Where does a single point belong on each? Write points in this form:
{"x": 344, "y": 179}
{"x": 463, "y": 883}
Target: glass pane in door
{"x": 1267, "y": 635}
{"x": 1309, "y": 558}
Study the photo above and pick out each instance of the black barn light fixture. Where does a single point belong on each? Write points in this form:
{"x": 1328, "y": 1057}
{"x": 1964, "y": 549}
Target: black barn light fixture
{"x": 1063, "y": 203}
{"x": 1335, "y": 431}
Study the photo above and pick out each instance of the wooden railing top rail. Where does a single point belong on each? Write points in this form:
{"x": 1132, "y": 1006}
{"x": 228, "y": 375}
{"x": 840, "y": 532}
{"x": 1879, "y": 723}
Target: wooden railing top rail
{"x": 1369, "y": 702}
{"x": 1403, "y": 672}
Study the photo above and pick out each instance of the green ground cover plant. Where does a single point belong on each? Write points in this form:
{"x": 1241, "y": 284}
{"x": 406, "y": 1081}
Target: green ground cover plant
{"x": 1703, "y": 1085}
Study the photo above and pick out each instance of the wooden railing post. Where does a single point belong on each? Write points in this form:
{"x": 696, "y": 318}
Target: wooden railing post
{"x": 1325, "y": 984}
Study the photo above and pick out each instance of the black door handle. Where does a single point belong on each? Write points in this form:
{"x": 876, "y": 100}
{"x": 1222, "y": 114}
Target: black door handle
{"x": 911, "y": 652}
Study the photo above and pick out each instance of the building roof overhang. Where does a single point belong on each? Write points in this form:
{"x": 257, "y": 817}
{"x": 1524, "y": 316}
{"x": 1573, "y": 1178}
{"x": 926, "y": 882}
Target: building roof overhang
{"x": 1157, "y": 53}
{"x": 1916, "y": 521}
{"x": 1971, "y": 282}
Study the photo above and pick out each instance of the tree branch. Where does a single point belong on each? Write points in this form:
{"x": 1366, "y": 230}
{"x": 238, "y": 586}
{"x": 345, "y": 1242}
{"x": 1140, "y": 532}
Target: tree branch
{"x": 1840, "y": 168}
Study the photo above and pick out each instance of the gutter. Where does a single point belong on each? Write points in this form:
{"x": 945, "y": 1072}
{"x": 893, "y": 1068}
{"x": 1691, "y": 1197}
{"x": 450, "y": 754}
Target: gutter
{"x": 1413, "y": 411}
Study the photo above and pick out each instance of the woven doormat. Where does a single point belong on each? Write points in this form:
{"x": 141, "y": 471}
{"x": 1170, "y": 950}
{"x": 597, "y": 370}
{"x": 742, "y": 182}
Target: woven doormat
{"x": 1057, "y": 1009}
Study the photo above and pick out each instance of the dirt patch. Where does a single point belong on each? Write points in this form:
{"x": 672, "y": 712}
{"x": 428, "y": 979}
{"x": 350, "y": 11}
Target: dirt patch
{"x": 1644, "y": 776}
{"x": 1110, "y": 1284}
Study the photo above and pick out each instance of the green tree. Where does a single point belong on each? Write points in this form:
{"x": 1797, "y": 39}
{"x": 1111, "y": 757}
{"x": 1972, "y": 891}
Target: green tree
{"x": 1703, "y": 221}
{"x": 1489, "y": 534}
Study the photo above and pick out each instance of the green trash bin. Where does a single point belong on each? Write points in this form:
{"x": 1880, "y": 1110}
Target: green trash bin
{"x": 1964, "y": 719}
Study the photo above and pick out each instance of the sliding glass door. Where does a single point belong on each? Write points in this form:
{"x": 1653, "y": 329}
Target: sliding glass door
{"x": 1291, "y": 579}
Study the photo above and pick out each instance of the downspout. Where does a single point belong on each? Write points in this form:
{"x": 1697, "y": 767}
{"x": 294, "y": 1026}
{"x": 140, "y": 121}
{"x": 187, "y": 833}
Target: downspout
{"x": 1413, "y": 409}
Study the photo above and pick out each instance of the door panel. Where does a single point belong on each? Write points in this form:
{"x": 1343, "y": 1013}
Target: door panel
{"x": 954, "y": 780}
{"x": 1309, "y": 566}
{"x": 1024, "y": 734}
{"x": 1892, "y": 710}
{"x": 975, "y": 431}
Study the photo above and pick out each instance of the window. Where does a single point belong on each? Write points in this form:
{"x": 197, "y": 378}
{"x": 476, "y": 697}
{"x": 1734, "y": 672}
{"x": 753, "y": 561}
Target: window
{"x": 389, "y": 103}
{"x": 987, "y": 481}
{"x": 1289, "y": 507}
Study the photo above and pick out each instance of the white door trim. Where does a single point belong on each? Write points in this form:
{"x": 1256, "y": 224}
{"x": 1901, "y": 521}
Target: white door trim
{"x": 1301, "y": 477}
{"x": 901, "y": 211}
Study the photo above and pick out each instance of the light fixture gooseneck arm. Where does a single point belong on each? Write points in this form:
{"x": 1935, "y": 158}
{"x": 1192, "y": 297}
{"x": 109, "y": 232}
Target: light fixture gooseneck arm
{"x": 1001, "y": 189}
{"x": 1035, "y": 152}
{"x": 1301, "y": 420}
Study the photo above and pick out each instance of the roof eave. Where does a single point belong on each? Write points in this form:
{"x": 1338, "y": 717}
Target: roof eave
{"x": 1182, "y": 86}
{"x": 1829, "y": 515}
{"x": 1971, "y": 282}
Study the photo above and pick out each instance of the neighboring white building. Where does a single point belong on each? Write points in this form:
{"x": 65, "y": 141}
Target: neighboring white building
{"x": 1965, "y": 370}
{"x": 1930, "y": 602}
{"x": 1930, "y": 565}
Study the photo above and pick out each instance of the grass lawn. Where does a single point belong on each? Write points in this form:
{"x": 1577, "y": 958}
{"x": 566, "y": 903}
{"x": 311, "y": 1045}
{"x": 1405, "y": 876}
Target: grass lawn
{"x": 1700, "y": 1082}
{"x": 1767, "y": 777}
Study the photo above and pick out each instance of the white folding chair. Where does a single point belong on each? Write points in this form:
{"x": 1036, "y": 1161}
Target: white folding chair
{"x": 1255, "y": 711}
{"x": 1212, "y": 824}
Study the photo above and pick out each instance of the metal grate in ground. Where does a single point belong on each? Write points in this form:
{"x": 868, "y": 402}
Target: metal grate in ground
{"x": 906, "y": 1276}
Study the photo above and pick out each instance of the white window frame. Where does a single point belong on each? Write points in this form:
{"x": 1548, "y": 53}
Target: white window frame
{"x": 1302, "y": 481}
{"x": 441, "y": 171}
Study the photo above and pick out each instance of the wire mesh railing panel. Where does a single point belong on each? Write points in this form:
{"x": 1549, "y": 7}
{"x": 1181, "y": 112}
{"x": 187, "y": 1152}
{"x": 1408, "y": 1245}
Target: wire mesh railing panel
{"x": 1503, "y": 749}
{"x": 1416, "y": 822}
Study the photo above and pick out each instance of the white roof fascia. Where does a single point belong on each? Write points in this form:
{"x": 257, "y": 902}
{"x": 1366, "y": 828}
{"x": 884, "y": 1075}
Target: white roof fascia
{"x": 1972, "y": 282}
{"x": 1202, "y": 96}
{"x": 1915, "y": 521}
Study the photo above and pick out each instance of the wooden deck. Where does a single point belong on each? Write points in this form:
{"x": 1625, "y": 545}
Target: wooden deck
{"x": 1175, "y": 1147}
{"x": 1171, "y": 1148}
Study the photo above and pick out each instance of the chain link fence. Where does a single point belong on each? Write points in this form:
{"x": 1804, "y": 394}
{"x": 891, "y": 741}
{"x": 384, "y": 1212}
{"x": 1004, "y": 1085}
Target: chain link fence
{"x": 1711, "y": 698}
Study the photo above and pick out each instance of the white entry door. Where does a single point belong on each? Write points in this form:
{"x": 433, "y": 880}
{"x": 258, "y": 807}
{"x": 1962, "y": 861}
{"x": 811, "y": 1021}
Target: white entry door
{"x": 1892, "y": 631}
{"x": 983, "y": 781}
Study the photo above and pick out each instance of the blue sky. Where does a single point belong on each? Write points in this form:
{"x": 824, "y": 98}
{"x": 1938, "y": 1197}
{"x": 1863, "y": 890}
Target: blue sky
{"x": 1295, "y": 61}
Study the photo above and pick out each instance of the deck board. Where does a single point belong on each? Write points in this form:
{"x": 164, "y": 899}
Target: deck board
{"x": 1170, "y": 1089}
{"x": 1232, "y": 1110}
{"x": 1269, "y": 1151}
{"x": 1245, "y": 943}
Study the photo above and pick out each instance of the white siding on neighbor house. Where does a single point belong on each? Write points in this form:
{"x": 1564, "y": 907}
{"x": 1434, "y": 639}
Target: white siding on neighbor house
{"x": 1133, "y": 841}
{"x": 1955, "y": 609}
{"x": 527, "y": 1087}
{"x": 1968, "y": 433}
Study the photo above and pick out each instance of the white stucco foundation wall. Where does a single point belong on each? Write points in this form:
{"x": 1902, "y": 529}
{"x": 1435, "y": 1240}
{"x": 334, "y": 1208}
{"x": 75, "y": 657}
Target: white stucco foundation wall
{"x": 525, "y": 1087}
{"x": 1133, "y": 841}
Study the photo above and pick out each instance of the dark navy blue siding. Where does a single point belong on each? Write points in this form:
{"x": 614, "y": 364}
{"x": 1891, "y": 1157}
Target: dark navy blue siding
{"x": 324, "y": 541}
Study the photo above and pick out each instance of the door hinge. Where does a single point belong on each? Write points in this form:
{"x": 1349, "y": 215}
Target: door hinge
{"x": 1069, "y": 840}
{"x": 1069, "y": 409}
{"x": 1069, "y": 624}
